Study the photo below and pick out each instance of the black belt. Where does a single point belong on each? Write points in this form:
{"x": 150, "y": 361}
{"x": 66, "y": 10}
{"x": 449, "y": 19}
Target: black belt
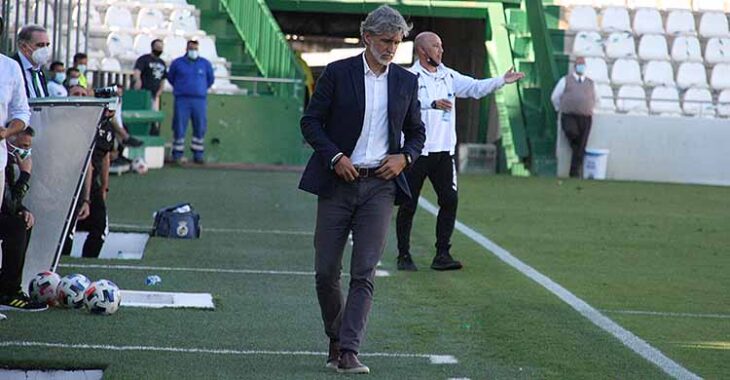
{"x": 367, "y": 172}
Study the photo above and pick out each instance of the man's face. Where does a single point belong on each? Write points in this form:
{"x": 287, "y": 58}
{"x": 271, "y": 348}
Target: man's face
{"x": 82, "y": 61}
{"x": 23, "y": 141}
{"x": 383, "y": 46}
{"x": 74, "y": 75}
{"x": 59, "y": 69}
{"x": 433, "y": 48}
{"x": 158, "y": 46}
{"x": 38, "y": 40}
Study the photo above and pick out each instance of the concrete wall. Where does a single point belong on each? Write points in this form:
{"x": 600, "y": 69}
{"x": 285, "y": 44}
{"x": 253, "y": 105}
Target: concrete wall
{"x": 658, "y": 148}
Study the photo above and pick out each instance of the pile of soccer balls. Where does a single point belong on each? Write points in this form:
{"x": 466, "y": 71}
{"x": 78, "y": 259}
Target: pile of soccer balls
{"x": 74, "y": 292}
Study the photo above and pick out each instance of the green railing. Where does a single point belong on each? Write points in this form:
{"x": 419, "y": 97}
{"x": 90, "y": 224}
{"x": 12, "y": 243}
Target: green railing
{"x": 265, "y": 43}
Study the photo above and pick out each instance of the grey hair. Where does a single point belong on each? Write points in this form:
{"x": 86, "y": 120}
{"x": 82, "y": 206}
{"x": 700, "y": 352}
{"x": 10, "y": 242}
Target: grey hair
{"x": 384, "y": 20}
{"x": 26, "y": 33}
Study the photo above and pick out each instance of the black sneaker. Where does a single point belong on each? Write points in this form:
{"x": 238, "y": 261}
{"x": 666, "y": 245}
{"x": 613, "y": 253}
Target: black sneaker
{"x": 405, "y": 262}
{"x": 133, "y": 142}
{"x": 444, "y": 261}
{"x": 199, "y": 161}
{"x": 20, "y": 302}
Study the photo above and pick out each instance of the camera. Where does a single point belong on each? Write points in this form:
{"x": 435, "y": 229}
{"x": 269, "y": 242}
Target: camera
{"x": 105, "y": 92}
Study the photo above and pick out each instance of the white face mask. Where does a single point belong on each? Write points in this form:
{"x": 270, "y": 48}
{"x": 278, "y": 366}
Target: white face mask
{"x": 41, "y": 55}
{"x": 59, "y": 78}
{"x": 73, "y": 82}
{"x": 193, "y": 54}
{"x": 82, "y": 69}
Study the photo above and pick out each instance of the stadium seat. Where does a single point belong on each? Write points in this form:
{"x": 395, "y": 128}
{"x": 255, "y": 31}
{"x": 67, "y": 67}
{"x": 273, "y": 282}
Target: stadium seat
{"x": 183, "y": 20}
{"x": 648, "y": 21}
{"x": 118, "y": 18}
{"x": 691, "y": 74}
{"x": 626, "y": 71}
{"x": 714, "y": 24}
{"x": 615, "y": 19}
{"x": 681, "y": 22}
{"x": 222, "y": 84}
{"x": 620, "y": 45}
{"x": 665, "y": 101}
{"x": 642, "y": 3}
{"x": 708, "y": 6}
{"x": 587, "y": 44}
{"x": 720, "y": 78}
{"x": 119, "y": 45}
{"x": 723, "y": 103}
{"x": 717, "y": 50}
{"x": 597, "y": 70}
{"x": 583, "y": 18}
{"x": 658, "y": 73}
{"x": 207, "y": 49}
{"x": 653, "y": 47}
{"x": 677, "y": 4}
{"x": 606, "y": 94}
{"x": 110, "y": 64}
{"x": 150, "y": 18}
{"x": 142, "y": 44}
{"x": 175, "y": 47}
{"x": 94, "y": 17}
{"x": 698, "y": 102}
{"x": 686, "y": 49}
{"x": 609, "y": 3}
{"x": 631, "y": 99}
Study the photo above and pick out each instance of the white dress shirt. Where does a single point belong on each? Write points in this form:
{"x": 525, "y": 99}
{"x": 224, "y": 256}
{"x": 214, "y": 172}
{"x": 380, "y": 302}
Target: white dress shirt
{"x": 446, "y": 83}
{"x": 27, "y": 71}
{"x": 13, "y": 101}
{"x": 372, "y": 145}
{"x": 560, "y": 88}
{"x": 56, "y": 90}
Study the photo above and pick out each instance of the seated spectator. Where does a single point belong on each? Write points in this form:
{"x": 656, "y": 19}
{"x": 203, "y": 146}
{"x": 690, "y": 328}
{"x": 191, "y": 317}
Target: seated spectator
{"x": 73, "y": 78}
{"x": 16, "y": 223}
{"x": 56, "y": 86}
{"x": 81, "y": 61}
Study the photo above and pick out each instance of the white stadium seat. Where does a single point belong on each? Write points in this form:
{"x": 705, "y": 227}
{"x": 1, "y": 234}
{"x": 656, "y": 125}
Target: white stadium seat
{"x": 698, "y": 101}
{"x": 587, "y": 44}
{"x": 720, "y": 78}
{"x": 183, "y": 20}
{"x": 118, "y": 17}
{"x": 717, "y": 50}
{"x": 606, "y": 94}
{"x": 175, "y": 47}
{"x": 658, "y": 73}
{"x": 681, "y": 23}
{"x": 723, "y": 103}
{"x": 653, "y": 47}
{"x": 714, "y": 24}
{"x": 620, "y": 45}
{"x": 677, "y": 4}
{"x": 143, "y": 44}
{"x": 597, "y": 70}
{"x": 708, "y": 6}
{"x": 110, "y": 64}
{"x": 94, "y": 17}
{"x": 686, "y": 49}
{"x": 207, "y": 48}
{"x": 582, "y": 18}
{"x": 642, "y": 3}
{"x": 691, "y": 74}
{"x": 626, "y": 71}
{"x": 648, "y": 21}
{"x": 119, "y": 44}
{"x": 665, "y": 101}
{"x": 609, "y": 3}
{"x": 631, "y": 99}
{"x": 615, "y": 19}
{"x": 150, "y": 18}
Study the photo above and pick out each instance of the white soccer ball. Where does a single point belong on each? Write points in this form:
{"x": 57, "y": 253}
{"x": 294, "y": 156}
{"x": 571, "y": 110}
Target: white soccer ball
{"x": 139, "y": 165}
{"x": 42, "y": 288}
{"x": 102, "y": 297}
{"x": 71, "y": 290}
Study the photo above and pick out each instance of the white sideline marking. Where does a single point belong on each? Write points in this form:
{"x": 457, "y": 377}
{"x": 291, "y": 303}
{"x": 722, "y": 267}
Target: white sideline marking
{"x": 441, "y": 359}
{"x": 223, "y": 230}
{"x": 159, "y": 300}
{"x": 626, "y": 337}
{"x": 669, "y": 314}
{"x": 378, "y": 272}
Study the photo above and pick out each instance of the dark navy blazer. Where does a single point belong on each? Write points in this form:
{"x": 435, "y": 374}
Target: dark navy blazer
{"x": 333, "y": 121}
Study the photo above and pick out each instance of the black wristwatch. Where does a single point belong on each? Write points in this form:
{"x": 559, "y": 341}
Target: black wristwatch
{"x": 409, "y": 160}
{"x": 433, "y": 104}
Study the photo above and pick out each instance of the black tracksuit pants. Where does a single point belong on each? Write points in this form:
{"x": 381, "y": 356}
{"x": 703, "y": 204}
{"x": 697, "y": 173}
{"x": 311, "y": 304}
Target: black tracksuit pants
{"x": 577, "y": 128}
{"x": 440, "y": 169}
{"x": 15, "y": 239}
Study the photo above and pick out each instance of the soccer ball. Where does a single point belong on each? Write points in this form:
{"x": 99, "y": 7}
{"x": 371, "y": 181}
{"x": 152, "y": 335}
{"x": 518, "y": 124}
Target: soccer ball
{"x": 102, "y": 297}
{"x": 71, "y": 290}
{"x": 139, "y": 165}
{"x": 43, "y": 288}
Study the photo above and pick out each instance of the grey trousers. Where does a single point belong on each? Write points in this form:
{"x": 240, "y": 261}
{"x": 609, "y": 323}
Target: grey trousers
{"x": 363, "y": 207}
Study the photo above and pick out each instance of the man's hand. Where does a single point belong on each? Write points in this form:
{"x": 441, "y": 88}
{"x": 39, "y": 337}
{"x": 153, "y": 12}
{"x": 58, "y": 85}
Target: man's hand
{"x": 28, "y": 218}
{"x": 345, "y": 169}
{"x": 84, "y": 211}
{"x": 511, "y": 76}
{"x": 443, "y": 104}
{"x": 391, "y": 166}
{"x": 24, "y": 165}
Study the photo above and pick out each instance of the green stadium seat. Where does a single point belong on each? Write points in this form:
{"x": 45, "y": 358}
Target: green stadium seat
{"x": 137, "y": 112}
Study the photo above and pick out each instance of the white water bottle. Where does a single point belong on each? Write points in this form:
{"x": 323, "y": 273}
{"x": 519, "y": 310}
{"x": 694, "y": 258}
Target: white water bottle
{"x": 446, "y": 116}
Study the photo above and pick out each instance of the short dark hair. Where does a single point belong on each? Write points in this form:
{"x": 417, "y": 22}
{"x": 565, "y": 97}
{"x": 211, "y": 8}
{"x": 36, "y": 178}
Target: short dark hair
{"x": 28, "y": 131}
{"x": 80, "y": 56}
{"x": 56, "y": 64}
{"x": 156, "y": 40}
{"x": 72, "y": 70}
{"x": 193, "y": 42}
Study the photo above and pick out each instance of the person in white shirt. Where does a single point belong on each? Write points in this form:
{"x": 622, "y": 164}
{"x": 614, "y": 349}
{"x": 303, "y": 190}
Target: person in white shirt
{"x": 55, "y": 86}
{"x": 438, "y": 86}
{"x": 574, "y": 97}
{"x": 34, "y": 51}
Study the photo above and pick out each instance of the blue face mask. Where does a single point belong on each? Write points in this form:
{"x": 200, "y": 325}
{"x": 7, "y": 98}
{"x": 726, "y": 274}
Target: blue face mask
{"x": 59, "y": 78}
{"x": 580, "y": 69}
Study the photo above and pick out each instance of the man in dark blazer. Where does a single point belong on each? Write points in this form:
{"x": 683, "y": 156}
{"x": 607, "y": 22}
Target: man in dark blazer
{"x": 34, "y": 51}
{"x": 358, "y": 112}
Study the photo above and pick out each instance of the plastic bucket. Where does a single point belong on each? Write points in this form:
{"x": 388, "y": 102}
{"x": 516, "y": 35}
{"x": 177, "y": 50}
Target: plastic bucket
{"x": 594, "y": 163}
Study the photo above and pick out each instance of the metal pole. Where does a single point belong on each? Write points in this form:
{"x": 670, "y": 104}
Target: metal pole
{"x": 86, "y": 29}
{"x": 56, "y": 26}
{"x": 15, "y": 27}
{"x": 78, "y": 26}
{"x": 69, "y": 12}
{"x": 27, "y": 12}
{"x": 45, "y": 14}
{"x": 35, "y": 13}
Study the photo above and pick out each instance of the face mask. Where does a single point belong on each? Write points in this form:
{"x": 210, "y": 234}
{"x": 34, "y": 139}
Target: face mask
{"x": 157, "y": 53}
{"x": 580, "y": 69}
{"x": 193, "y": 54}
{"x": 59, "y": 78}
{"x": 41, "y": 55}
{"x": 73, "y": 82}
{"x": 82, "y": 69}
{"x": 20, "y": 152}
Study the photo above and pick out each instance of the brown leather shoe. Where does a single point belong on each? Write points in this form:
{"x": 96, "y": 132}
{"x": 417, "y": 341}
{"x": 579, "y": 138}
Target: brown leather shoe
{"x": 350, "y": 364}
{"x": 333, "y": 358}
